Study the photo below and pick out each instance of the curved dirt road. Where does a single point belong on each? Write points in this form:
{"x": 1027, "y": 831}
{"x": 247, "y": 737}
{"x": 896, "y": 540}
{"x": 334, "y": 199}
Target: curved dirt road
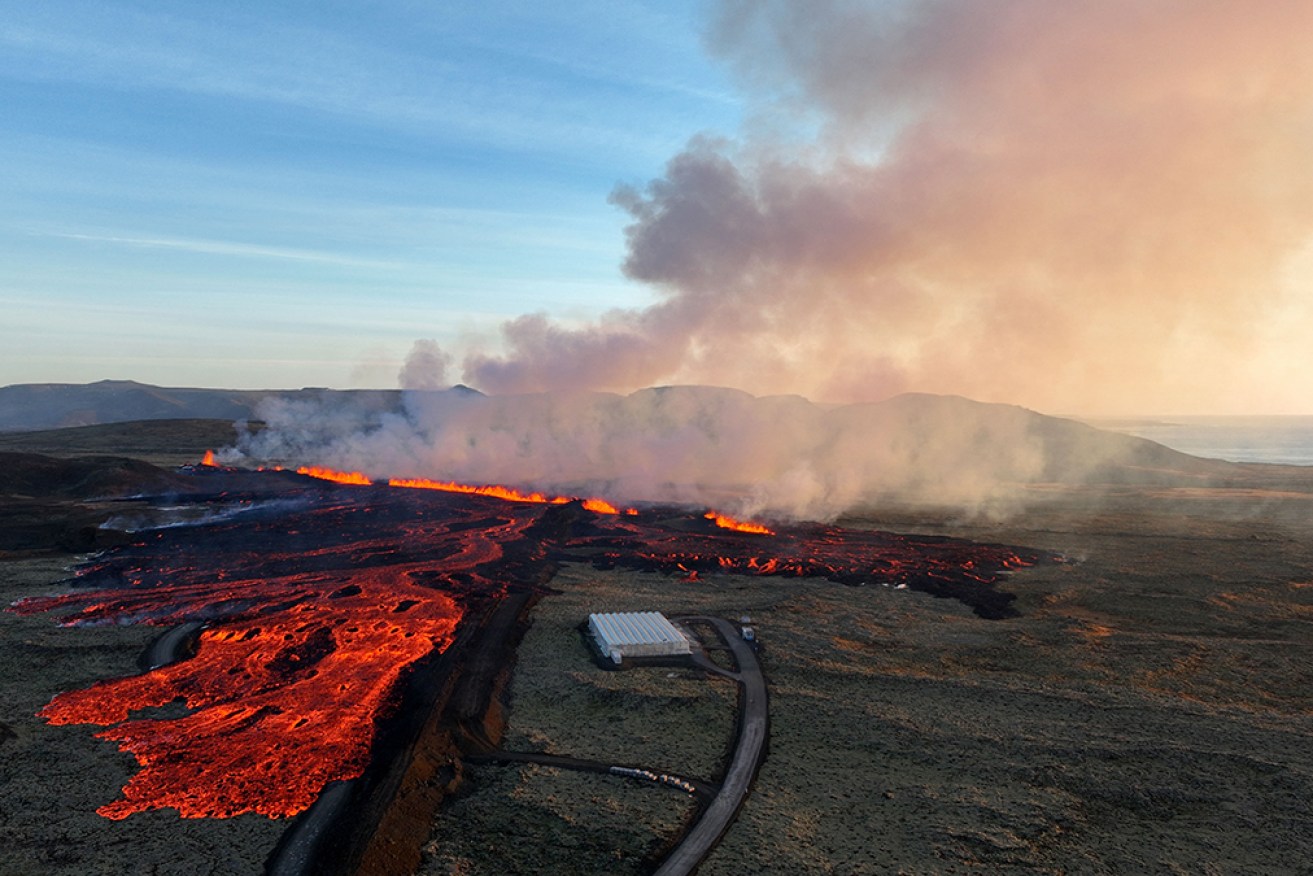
{"x": 754, "y": 728}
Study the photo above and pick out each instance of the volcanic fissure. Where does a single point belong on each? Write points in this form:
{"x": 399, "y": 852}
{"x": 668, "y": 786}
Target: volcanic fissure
{"x": 363, "y": 633}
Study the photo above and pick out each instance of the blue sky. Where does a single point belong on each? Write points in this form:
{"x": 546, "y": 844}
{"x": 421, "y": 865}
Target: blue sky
{"x": 288, "y": 194}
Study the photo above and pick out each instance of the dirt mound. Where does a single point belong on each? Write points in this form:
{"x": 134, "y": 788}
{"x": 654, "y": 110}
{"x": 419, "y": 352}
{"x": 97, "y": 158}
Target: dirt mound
{"x": 161, "y": 442}
{"x": 33, "y": 476}
{"x": 49, "y": 504}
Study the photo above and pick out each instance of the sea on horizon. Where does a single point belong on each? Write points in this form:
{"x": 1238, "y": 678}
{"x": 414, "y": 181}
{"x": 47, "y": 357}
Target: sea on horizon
{"x": 1284, "y": 440}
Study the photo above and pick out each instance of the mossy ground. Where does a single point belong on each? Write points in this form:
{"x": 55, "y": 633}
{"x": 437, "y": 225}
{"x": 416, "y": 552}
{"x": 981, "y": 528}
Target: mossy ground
{"x": 52, "y": 779}
{"x": 1147, "y": 712}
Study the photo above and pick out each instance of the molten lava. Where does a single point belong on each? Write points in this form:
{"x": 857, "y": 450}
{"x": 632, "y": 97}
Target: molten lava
{"x": 314, "y": 621}
{"x": 317, "y": 611}
{"x": 209, "y": 460}
{"x": 337, "y": 477}
{"x": 280, "y": 705}
{"x": 597, "y": 506}
{"x": 725, "y": 522}
{"x": 494, "y": 491}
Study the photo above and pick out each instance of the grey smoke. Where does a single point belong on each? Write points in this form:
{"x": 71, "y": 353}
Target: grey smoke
{"x": 1087, "y": 205}
{"x": 779, "y": 457}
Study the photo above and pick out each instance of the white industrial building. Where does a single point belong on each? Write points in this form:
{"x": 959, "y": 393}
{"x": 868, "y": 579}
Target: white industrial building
{"x": 636, "y": 634}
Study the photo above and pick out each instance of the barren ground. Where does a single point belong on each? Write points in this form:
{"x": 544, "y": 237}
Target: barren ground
{"x": 1149, "y": 711}
{"x": 52, "y": 779}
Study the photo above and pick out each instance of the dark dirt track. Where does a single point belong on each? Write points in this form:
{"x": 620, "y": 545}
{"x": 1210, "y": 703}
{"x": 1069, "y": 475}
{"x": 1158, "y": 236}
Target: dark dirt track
{"x": 754, "y": 731}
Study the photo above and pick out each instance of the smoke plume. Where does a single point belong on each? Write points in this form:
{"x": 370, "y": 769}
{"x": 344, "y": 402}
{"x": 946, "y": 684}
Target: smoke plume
{"x": 779, "y": 456}
{"x": 426, "y": 367}
{"x": 1090, "y": 206}
{"x": 1085, "y": 206}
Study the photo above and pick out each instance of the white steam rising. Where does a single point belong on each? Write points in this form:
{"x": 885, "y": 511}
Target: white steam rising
{"x": 778, "y": 456}
{"x": 1086, "y": 205}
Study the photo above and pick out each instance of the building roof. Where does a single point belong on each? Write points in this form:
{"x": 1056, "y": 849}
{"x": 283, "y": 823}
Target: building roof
{"x": 636, "y": 628}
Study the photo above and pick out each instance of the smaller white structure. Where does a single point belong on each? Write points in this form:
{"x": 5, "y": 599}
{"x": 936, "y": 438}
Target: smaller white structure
{"x": 636, "y": 634}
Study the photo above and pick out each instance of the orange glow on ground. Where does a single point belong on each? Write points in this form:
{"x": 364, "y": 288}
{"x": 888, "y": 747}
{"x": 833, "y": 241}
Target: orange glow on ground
{"x": 725, "y": 522}
{"x": 510, "y": 494}
{"x": 496, "y": 492}
{"x": 598, "y": 506}
{"x": 317, "y": 616}
{"x": 337, "y": 477}
{"x": 279, "y": 707}
{"x": 209, "y": 460}
{"x": 312, "y": 632}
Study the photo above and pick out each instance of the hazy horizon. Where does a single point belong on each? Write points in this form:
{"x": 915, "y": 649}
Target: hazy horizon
{"x": 1100, "y": 208}
{"x": 1123, "y": 421}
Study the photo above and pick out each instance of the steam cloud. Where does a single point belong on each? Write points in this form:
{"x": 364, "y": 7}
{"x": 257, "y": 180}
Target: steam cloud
{"x": 1087, "y": 205}
{"x": 779, "y": 456}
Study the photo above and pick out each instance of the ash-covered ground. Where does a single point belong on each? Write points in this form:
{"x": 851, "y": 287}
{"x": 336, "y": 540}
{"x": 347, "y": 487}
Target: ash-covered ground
{"x": 1146, "y": 710}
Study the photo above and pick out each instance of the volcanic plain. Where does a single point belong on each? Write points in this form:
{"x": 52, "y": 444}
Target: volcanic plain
{"x": 1142, "y": 706}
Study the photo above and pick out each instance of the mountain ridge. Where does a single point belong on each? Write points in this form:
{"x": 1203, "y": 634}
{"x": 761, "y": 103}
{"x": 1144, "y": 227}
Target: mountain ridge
{"x": 35, "y": 406}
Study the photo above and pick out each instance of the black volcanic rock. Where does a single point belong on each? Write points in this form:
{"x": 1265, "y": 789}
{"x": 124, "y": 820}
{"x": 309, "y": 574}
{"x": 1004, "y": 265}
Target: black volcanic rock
{"x": 31, "y": 475}
{"x": 48, "y": 504}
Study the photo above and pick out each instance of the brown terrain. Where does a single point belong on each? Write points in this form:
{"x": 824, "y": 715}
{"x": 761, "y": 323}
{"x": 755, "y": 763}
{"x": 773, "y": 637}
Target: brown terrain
{"x": 1146, "y": 710}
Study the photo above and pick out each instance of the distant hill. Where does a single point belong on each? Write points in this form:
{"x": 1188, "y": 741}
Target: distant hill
{"x": 31, "y": 406}
{"x": 774, "y": 455}
{"x": 777, "y": 455}
{"x": 1011, "y": 443}
{"x": 161, "y": 442}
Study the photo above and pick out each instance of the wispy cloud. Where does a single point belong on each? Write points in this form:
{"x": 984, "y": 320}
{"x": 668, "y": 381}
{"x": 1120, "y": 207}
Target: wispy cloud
{"x": 446, "y": 85}
{"x": 396, "y": 168}
{"x": 228, "y": 248}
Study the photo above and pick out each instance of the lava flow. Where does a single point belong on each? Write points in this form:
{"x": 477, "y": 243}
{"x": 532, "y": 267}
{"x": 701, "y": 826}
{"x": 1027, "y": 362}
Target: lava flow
{"x": 600, "y": 506}
{"x": 318, "y": 610}
{"x": 337, "y": 477}
{"x": 292, "y": 696}
{"x": 314, "y": 618}
{"x": 496, "y": 491}
{"x": 726, "y": 522}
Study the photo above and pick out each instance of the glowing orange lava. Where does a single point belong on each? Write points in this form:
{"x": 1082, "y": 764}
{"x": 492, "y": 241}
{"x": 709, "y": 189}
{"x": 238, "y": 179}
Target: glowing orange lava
{"x": 496, "y": 491}
{"x": 311, "y": 633}
{"x": 598, "y": 506}
{"x": 725, "y": 522}
{"x": 318, "y": 612}
{"x": 279, "y": 707}
{"x": 337, "y": 477}
{"x": 492, "y": 490}
{"x": 209, "y": 460}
